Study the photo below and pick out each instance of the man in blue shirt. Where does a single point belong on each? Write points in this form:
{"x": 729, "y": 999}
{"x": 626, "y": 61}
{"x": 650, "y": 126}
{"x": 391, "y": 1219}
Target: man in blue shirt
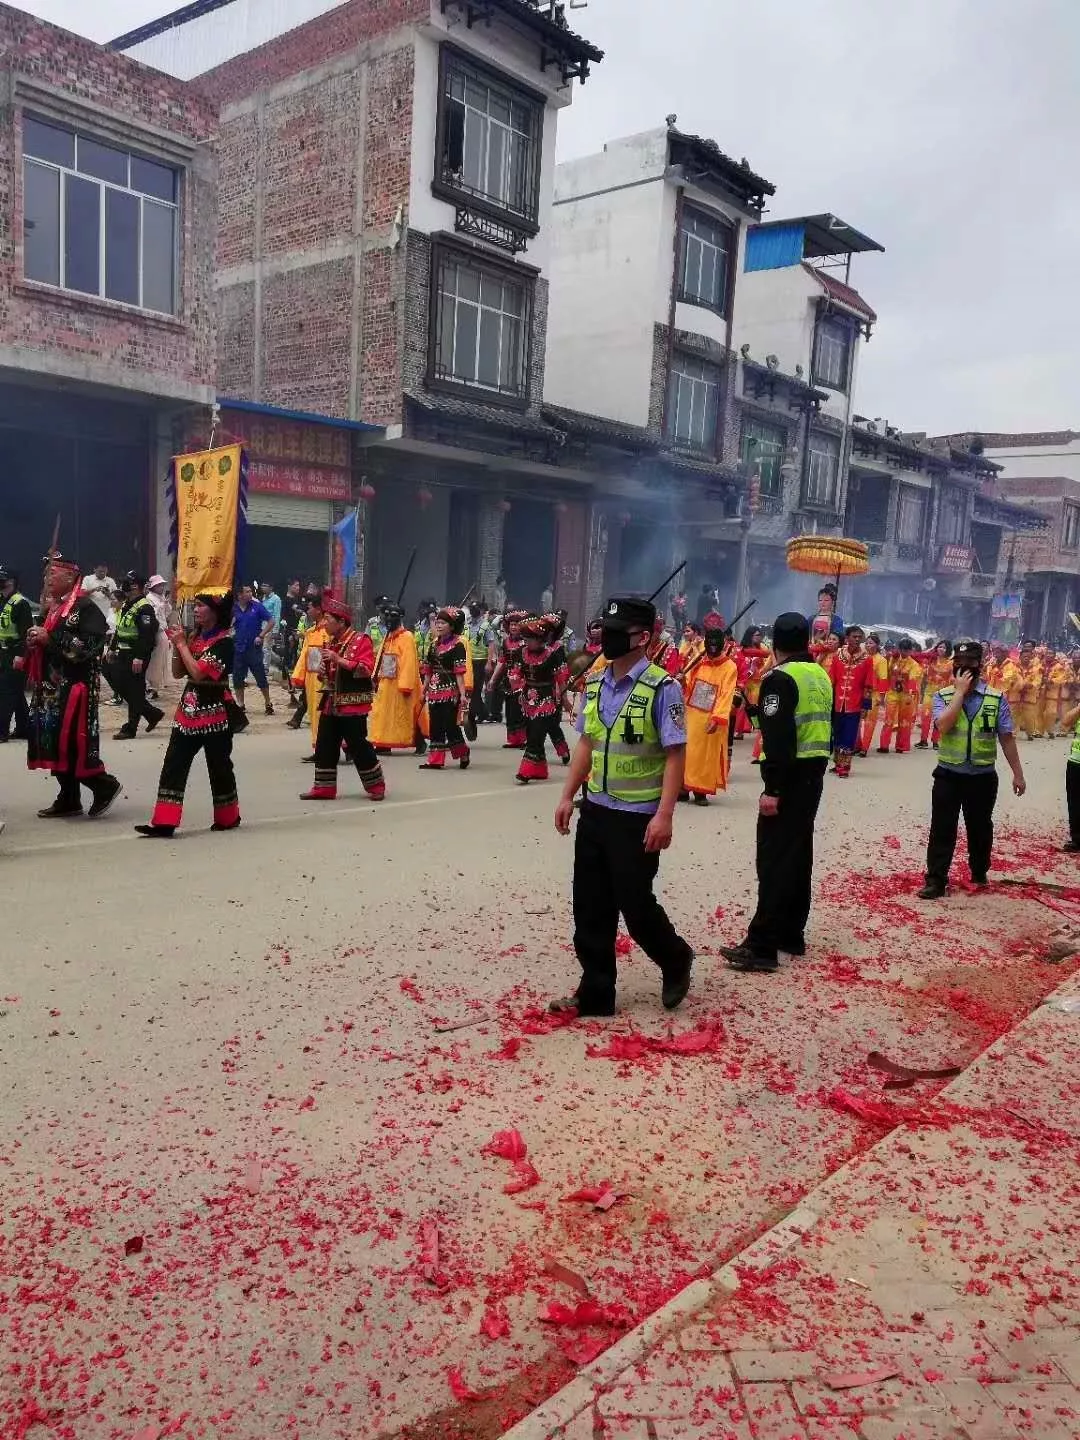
{"x": 630, "y": 757}
{"x": 972, "y": 721}
{"x": 252, "y": 623}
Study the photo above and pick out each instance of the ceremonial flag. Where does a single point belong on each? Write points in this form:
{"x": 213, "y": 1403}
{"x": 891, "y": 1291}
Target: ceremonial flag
{"x": 345, "y": 532}
{"x": 208, "y": 508}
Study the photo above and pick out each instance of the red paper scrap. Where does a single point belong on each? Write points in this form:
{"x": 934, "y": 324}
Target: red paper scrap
{"x": 607, "y": 1200}
{"x": 878, "y": 1112}
{"x": 852, "y": 1379}
{"x": 458, "y": 1386}
{"x": 134, "y": 1245}
{"x": 526, "y": 1176}
{"x": 506, "y": 1145}
{"x": 586, "y": 1312}
{"x": 253, "y": 1177}
{"x": 582, "y": 1349}
{"x": 509, "y": 1050}
{"x": 496, "y": 1323}
{"x": 587, "y": 1195}
{"x": 148, "y": 1432}
{"x": 561, "y": 1272}
{"x": 623, "y": 944}
{"x": 706, "y": 1040}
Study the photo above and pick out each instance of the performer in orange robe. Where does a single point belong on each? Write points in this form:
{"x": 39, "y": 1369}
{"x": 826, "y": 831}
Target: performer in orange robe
{"x": 901, "y": 699}
{"x": 709, "y": 686}
{"x": 938, "y": 673}
{"x": 751, "y": 659}
{"x": 1028, "y": 710}
{"x": 1058, "y": 676}
{"x": 878, "y": 686}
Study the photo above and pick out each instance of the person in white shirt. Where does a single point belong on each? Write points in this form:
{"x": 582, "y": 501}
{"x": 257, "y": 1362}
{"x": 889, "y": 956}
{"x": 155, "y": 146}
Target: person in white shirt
{"x": 101, "y": 588}
{"x": 158, "y": 595}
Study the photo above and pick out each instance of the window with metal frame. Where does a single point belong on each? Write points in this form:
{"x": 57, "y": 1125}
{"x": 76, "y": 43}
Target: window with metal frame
{"x": 910, "y": 515}
{"x": 705, "y": 246}
{"x": 98, "y": 219}
{"x": 832, "y": 354}
{"x": 489, "y": 139}
{"x": 481, "y": 326}
{"x": 763, "y": 447}
{"x": 693, "y": 403}
{"x": 822, "y": 470}
{"x": 1070, "y": 528}
{"x": 952, "y": 517}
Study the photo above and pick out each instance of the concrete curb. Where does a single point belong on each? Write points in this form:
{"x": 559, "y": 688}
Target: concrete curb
{"x": 552, "y": 1420}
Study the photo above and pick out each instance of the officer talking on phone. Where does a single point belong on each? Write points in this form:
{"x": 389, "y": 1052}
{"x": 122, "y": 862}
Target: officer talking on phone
{"x": 794, "y": 711}
{"x": 972, "y": 719}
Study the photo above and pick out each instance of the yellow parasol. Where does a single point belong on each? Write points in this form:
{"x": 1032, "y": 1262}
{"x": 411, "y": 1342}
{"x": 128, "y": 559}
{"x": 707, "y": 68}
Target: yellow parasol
{"x": 827, "y": 555}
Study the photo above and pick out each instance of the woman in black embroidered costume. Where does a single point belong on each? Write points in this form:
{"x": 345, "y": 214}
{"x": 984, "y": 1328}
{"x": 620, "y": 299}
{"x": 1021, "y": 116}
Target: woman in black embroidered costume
{"x": 204, "y": 720}
{"x": 444, "y": 689}
{"x": 63, "y": 664}
{"x": 504, "y": 676}
{"x": 541, "y": 680}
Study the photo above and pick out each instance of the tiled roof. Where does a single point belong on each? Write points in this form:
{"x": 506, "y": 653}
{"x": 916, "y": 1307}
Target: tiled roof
{"x": 597, "y": 427}
{"x": 841, "y": 293}
{"x": 495, "y": 416}
{"x": 794, "y": 382}
{"x": 553, "y": 26}
{"x": 690, "y": 464}
{"x": 1002, "y": 440}
{"x": 736, "y": 172}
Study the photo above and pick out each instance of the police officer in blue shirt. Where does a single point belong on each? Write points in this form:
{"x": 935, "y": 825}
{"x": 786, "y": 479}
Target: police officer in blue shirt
{"x": 630, "y": 758}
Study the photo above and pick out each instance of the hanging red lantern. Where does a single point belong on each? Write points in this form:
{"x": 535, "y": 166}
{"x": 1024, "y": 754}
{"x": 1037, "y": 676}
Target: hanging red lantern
{"x": 424, "y": 496}
{"x": 366, "y": 492}
{"x": 505, "y": 506}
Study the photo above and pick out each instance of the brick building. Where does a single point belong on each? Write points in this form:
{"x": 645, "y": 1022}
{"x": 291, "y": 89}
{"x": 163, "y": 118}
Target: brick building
{"x": 107, "y": 322}
{"x": 1044, "y": 567}
{"x": 385, "y": 190}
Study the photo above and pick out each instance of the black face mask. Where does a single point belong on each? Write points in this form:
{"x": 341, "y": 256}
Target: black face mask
{"x": 615, "y": 643}
{"x": 714, "y": 644}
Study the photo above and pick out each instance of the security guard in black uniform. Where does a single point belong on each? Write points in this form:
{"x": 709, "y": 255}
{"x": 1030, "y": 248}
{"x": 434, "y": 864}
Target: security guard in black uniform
{"x": 130, "y": 654}
{"x": 16, "y": 617}
{"x": 795, "y": 713}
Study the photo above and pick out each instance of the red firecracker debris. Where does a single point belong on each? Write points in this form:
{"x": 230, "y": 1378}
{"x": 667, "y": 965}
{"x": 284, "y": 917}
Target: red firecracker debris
{"x": 429, "y": 1251}
{"x": 853, "y": 1379}
{"x": 496, "y": 1323}
{"x": 525, "y": 1177}
{"x": 457, "y": 1385}
{"x": 506, "y": 1145}
{"x": 566, "y": 1276}
{"x": 134, "y": 1245}
{"x": 587, "y": 1312}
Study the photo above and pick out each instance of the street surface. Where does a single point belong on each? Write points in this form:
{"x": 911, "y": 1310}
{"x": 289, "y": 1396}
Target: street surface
{"x": 248, "y": 1081}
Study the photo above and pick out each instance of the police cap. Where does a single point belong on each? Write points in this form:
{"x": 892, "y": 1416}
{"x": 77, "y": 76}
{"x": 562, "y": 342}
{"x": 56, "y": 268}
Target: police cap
{"x": 791, "y": 633}
{"x": 628, "y": 612}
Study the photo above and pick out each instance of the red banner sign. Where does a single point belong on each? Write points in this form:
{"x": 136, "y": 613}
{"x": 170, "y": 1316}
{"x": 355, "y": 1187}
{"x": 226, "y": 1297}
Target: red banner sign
{"x": 955, "y": 558}
{"x": 267, "y": 478}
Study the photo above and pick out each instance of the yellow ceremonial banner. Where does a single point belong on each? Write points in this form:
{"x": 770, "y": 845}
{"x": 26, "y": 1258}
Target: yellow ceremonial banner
{"x": 207, "y": 488}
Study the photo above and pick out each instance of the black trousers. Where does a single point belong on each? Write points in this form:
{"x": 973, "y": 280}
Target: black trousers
{"x": 13, "y": 703}
{"x": 613, "y": 876}
{"x": 785, "y": 868}
{"x": 180, "y": 755}
{"x": 537, "y": 731}
{"x": 477, "y": 707}
{"x": 130, "y": 685}
{"x": 975, "y": 796}
{"x": 1072, "y": 798}
{"x": 350, "y": 731}
{"x": 446, "y": 733}
{"x": 515, "y": 716}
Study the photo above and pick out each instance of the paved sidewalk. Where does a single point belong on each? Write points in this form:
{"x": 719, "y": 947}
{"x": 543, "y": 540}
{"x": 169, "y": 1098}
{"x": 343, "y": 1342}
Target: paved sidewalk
{"x": 929, "y": 1290}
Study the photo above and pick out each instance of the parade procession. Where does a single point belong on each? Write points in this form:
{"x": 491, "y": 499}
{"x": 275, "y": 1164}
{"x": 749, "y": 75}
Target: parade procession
{"x": 539, "y": 721}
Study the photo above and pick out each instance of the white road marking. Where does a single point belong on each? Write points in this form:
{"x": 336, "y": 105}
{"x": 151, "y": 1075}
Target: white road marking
{"x": 99, "y": 835}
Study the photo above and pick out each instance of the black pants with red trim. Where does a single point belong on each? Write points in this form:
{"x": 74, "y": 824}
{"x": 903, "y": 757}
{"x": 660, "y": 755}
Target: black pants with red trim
{"x": 183, "y": 747}
{"x": 350, "y": 731}
{"x": 446, "y": 732}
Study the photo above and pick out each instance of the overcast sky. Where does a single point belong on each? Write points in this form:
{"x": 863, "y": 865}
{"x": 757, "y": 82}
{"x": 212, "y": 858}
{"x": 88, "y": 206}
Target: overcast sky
{"x": 946, "y": 129}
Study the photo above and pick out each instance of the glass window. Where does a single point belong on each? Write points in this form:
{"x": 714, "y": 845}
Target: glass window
{"x": 1070, "y": 535}
{"x": 911, "y": 515}
{"x": 82, "y": 235}
{"x": 693, "y": 403}
{"x": 122, "y": 246}
{"x": 705, "y": 250}
{"x": 158, "y": 257}
{"x": 98, "y": 219}
{"x": 103, "y": 161}
{"x": 41, "y": 223}
{"x": 481, "y": 318}
{"x": 822, "y": 470}
{"x": 952, "y": 517}
{"x": 763, "y": 448}
{"x": 48, "y": 142}
{"x": 832, "y": 354}
{"x": 491, "y": 140}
